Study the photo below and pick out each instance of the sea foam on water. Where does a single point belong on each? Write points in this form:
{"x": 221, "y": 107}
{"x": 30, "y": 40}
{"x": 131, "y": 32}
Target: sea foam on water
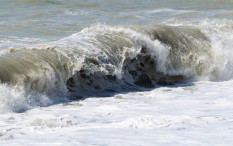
{"x": 116, "y": 73}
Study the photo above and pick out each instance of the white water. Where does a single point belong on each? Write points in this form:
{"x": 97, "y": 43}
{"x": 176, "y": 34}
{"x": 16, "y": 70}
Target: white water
{"x": 195, "y": 113}
{"x": 18, "y": 99}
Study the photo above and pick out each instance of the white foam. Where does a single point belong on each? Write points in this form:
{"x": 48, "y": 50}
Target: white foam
{"x": 182, "y": 115}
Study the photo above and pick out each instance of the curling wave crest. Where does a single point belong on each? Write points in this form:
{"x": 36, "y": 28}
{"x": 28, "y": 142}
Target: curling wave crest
{"x": 102, "y": 60}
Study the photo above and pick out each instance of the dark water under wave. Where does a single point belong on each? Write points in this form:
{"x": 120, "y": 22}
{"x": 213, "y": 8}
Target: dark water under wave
{"x": 112, "y": 46}
{"x": 111, "y": 59}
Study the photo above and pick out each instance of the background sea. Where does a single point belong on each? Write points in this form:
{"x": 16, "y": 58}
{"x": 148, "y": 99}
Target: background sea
{"x": 48, "y": 48}
{"x": 26, "y": 22}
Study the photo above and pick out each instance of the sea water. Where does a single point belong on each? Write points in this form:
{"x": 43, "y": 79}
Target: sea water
{"x": 116, "y": 72}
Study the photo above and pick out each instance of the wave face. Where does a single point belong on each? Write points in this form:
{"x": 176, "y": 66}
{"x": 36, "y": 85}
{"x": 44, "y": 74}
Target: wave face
{"x": 106, "y": 59}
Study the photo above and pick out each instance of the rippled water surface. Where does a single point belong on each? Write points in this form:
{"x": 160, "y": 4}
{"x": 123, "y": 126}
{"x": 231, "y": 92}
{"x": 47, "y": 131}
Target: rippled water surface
{"x": 52, "y": 19}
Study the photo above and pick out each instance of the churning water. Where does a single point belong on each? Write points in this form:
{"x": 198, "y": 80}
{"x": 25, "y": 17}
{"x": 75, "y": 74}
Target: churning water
{"x": 56, "y": 51}
{"x": 68, "y": 49}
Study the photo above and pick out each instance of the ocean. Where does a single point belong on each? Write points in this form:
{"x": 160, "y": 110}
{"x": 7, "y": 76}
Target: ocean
{"x": 100, "y": 72}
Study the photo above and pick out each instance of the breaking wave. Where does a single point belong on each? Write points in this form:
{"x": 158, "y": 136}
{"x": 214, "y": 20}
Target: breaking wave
{"x": 109, "y": 59}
